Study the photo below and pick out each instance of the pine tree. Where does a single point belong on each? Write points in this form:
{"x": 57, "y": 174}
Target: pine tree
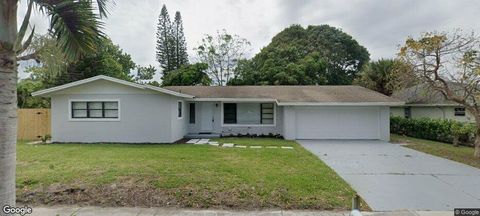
{"x": 181, "y": 56}
{"x": 165, "y": 42}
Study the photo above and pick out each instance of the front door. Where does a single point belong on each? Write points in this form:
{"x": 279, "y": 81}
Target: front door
{"x": 207, "y": 120}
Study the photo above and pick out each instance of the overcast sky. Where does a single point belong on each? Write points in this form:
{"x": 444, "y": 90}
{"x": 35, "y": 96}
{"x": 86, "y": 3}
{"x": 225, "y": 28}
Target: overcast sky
{"x": 379, "y": 25}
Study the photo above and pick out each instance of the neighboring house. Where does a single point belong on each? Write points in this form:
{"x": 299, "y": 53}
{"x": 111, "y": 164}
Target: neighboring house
{"x": 105, "y": 109}
{"x": 421, "y": 102}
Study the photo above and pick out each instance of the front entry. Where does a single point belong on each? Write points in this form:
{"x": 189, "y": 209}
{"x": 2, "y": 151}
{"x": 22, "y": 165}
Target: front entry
{"x": 207, "y": 117}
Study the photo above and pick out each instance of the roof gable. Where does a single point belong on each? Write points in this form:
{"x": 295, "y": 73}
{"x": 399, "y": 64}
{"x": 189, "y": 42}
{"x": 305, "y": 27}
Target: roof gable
{"x": 50, "y": 91}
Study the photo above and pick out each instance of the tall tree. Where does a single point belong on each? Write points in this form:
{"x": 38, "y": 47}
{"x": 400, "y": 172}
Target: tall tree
{"x": 76, "y": 27}
{"x": 222, "y": 53}
{"x": 181, "y": 56}
{"x": 449, "y": 63}
{"x": 165, "y": 50}
{"x": 285, "y": 60}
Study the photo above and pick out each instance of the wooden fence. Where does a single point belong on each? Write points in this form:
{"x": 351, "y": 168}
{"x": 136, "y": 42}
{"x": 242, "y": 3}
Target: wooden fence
{"x": 33, "y": 123}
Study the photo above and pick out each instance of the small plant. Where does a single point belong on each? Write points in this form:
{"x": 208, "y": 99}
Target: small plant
{"x": 458, "y": 130}
{"x": 46, "y": 137}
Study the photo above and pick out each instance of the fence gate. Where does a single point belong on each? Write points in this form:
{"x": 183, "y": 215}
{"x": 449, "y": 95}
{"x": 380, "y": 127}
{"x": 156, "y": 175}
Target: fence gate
{"x": 33, "y": 123}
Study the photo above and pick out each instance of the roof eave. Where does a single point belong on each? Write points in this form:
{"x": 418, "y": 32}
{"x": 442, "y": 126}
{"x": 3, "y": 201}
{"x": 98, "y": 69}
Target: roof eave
{"x": 340, "y": 103}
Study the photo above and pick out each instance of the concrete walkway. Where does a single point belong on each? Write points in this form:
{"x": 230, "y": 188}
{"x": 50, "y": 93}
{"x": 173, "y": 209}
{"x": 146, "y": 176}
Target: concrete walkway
{"x": 390, "y": 177}
{"x": 99, "y": 211}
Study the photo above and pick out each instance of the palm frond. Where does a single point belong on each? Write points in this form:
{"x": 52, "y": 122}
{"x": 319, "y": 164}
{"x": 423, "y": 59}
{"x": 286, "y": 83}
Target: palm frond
{"x": 74, "y": 24}
{"x": 23, "y": 28}
{"x": 103, "y": 6}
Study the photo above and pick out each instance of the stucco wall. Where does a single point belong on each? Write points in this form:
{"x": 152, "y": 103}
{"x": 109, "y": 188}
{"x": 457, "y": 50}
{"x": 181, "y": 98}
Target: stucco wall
{"x": 145, "y": 116}
{"x": 445, "y": 112}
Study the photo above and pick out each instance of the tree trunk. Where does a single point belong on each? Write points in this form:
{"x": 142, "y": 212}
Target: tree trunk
{"x": 8, "y": 101}
{"x": 455, "y": 140}
{"x": 476, "y": 154}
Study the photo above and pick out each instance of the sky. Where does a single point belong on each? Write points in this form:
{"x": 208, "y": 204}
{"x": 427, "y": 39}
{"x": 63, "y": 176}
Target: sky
{"x": 379, "y": 25}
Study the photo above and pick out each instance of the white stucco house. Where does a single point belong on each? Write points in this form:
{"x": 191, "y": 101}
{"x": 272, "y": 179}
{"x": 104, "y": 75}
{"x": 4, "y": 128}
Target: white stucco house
{"x": 423, "y": 102}
{"x": 105, "y": 109}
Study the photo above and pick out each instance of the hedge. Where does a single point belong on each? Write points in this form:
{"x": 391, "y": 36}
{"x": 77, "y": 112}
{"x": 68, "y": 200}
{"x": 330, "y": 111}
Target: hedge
{"x": 431, "y": 129}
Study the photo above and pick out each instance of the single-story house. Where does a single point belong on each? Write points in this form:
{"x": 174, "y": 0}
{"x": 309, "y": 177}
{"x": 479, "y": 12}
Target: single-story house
{"x": 105, "y": 109}
{"x": 424, "y": 102}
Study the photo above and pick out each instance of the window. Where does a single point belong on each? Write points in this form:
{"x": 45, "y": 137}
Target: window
{"x": 459, "y": 111}
{"x": 95, "y": 109}
{"x": 192, "y": 113}
{"x": 408, "y": 112}
{"x": 266, "y": 113}
{"x": 249, "y": 113}
{"x": 229, "y": 113}
{"x": 180, "y": 109}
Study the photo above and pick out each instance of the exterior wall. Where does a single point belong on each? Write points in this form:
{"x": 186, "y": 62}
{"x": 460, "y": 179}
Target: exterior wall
{"x": 397, "y": 111}
{"x": 145, "y": 116}
{"x": 178, "y": 125}
{"x": 384, "y": 123}
{"x": 436, "y": 112}
{"x": 233, "y": 130}
{"x": 289, "y": 122}
{"x": 380, "y": 122}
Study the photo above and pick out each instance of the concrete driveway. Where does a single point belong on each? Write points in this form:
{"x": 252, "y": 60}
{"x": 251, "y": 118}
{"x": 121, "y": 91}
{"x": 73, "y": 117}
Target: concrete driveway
{"x": 391, "y": 177}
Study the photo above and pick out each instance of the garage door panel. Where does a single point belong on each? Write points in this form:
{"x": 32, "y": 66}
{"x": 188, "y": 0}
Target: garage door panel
{"x": 337, "y": 123}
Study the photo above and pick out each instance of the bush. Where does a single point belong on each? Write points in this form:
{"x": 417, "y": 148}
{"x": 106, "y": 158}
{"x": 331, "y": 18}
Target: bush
{"x": 433, "y": 129}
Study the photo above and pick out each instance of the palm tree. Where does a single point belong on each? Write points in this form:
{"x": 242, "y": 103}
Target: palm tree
{"x": 76, "y": 27}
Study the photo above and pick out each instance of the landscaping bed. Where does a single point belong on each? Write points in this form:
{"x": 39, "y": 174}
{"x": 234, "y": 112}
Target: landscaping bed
{"x": 179, "y": 175}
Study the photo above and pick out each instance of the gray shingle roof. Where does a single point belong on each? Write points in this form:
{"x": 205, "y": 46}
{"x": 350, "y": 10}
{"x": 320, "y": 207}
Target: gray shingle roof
{"x": 334, "y": 94}
{"x": 423, "y": 94}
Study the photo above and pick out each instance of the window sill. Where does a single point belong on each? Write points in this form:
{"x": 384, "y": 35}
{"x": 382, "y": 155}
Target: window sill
{"x": 94, "y": 120}
{"x": 248, "y": 125}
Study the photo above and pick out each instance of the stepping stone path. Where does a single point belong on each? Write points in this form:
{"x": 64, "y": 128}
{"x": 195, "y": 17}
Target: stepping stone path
{"x": 228, "y": 145}
{"x": 231, "y": 145}
{"x": 193, "y": 141}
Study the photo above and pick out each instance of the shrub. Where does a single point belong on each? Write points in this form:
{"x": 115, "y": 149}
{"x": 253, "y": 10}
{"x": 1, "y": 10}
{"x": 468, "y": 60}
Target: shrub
{"x": 433, "y": 129}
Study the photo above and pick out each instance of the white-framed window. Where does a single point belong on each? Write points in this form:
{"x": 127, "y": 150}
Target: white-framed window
{"x": 248, "y": 114}
{"x": 94, "y": 110}
{"x": 459, "y": 111}
{"x": 179, "y": 109}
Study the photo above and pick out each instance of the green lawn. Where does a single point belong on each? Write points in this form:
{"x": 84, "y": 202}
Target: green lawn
{"x": 460, "y": 154}
{"x": 179, "y": 175}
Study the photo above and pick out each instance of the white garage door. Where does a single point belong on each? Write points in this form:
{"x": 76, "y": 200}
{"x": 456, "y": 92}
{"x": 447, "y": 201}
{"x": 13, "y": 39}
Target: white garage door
{"x": 338, "y": 123}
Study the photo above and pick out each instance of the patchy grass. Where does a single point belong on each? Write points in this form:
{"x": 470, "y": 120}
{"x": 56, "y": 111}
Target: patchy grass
{"x": 179, "y": 175}
{"x": 460, "y": 154}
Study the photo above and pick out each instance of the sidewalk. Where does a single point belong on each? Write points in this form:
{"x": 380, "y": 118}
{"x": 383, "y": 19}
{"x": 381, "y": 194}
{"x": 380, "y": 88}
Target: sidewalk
{"x": 91, "y": 211}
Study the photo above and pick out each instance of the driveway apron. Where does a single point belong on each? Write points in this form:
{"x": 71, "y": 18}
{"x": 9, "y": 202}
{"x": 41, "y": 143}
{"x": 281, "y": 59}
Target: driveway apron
{"x": 391, "y": 177}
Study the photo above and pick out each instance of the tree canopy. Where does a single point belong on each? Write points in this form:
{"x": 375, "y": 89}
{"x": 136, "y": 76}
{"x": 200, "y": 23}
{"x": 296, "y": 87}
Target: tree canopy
{"x": 222, "y": 52}
{"x": 193, "y": 74}
{"x": 449, "y": 63}
{"x": 385, "y": 76}
{"x": 305, "y": 56}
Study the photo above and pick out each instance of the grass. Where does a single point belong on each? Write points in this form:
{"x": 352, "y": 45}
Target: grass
{"x": 181, "y": 175}
{"x": 460, "y": 154}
